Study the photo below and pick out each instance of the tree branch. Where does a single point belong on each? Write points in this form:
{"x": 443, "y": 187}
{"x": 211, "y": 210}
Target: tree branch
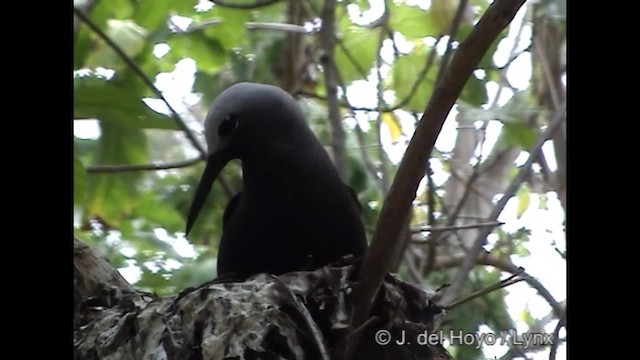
{"x": 505, "y": 265}
{"x": 85, "y": 9}
{"x": 136, "y": 69}
{"x": 327, "y": 39}
{"x": 476, "y": 248}
{"x": 556, "y": 336}
{"x": 419, "y": 78}
{"x": 141, "y": 167}
{"x": 384, "y": 174}
{"x": 453, "y": 228}
{"x": 290, "y": 28}
{"x": 351, "y": 59}
{"x": 396, "y": 207}
{"x": 255, "y": 5}
{"x": 491, "y": 288}
{"x": 359, "y": 134}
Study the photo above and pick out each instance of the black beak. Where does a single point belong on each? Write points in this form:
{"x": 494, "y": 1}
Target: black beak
{"x": 215, "y": 163}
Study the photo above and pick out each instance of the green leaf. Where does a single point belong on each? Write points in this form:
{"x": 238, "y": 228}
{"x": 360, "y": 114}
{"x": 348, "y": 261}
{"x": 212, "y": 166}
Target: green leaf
{"x": 518, "y": 134}
{"x": 81, "y": 47}
{"x": 130, "y": 38}
{"x": 524, "y": 199}
{"x": 79, "y": 178}
{"x": 112, "y": 195}
{"x": 474, "y": 92}
{"x": 526, "y": 316}
{"x": 159, "y": 212}
{"x": 231, "y": 32}
{"x": 358, "y": 177}
{"x": 86, "y": 149}
{"x": 208, "y": 53}
{"x": 442, "y": 13}
{"x": 99, "y": 98}
{"x": 361, "y": 44}
{"x": 405, "y": 72}
{"x": 153, "y": 13}
{"x": 113, "y": 9}
{"x": 412, "y": 22}
{"x": 543, "y": 199}
{"x": 195, "y": 272}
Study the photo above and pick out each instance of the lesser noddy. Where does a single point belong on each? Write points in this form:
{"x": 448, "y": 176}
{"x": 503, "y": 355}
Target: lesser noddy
{"x": 294, "y": 212}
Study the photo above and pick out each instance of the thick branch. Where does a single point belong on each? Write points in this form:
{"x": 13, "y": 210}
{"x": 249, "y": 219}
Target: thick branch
{"x": 377, "y": 259}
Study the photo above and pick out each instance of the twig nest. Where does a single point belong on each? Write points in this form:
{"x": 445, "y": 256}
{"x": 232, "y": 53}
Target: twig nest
{"x": 299, "y": 315}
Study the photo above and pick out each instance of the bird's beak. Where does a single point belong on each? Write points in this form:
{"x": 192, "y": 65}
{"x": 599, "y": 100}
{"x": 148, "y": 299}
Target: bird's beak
{"x": 215, "y": 163}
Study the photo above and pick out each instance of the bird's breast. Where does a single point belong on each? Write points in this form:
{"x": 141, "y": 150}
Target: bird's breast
{"x": 295, "y": 230}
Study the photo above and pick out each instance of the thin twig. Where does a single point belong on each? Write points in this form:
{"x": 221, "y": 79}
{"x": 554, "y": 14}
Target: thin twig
{"x": 371, "y": 168}
{"x": 195, "y": 26}
{"x": 292, "y": 28}
{"x": 136, "y": 69}
{"x": 141, "y": 167}
{"x": 556, "y": 335}
{"x": 476, "y": 248}
{"x": 411, "y": 170}
{"x": 255, "y": 5}
{"x": 384, "y": 174}
{"x": 453, "y": 228}
{"x": 351, "y": 59}
{"x": 480, "y": 168}
{"x": 546, "y": 72}
{"x": 420, "y": 77}
{"x": 514, "y": 56}
{"x": 415, "y": 272}
{"x": 432, "y": 249}
{"x": 85, "y": 8}
{"x": 446, "y": 262}
{"x": 491, "y": 288}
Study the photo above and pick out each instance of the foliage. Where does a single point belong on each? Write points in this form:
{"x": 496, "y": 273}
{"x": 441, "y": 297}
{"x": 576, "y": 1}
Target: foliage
{"x": 137, "y": 217}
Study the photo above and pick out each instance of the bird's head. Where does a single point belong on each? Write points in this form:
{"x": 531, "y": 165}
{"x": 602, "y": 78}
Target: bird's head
{"x": 245, "y": 119}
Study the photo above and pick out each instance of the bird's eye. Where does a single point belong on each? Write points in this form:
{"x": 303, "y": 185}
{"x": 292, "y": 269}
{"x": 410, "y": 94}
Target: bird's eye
{"x": 228, "y": 125}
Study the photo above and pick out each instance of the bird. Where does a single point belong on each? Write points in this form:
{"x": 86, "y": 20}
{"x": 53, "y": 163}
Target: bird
{"x": 294, "y": 212}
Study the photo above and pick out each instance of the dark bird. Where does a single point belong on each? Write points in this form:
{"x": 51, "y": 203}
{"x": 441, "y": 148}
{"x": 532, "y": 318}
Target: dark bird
{"x": 294, "y": 212}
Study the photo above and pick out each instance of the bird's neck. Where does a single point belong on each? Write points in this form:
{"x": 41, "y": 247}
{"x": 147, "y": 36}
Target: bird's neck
{"x": 284, "y": 170}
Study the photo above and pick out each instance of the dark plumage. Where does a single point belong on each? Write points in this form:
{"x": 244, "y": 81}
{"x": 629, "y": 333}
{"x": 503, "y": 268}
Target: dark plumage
{"x": 294, "y": 212}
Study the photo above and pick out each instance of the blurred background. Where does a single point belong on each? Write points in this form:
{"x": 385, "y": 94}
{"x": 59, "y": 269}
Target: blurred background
{"x": 146, "y": 71}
